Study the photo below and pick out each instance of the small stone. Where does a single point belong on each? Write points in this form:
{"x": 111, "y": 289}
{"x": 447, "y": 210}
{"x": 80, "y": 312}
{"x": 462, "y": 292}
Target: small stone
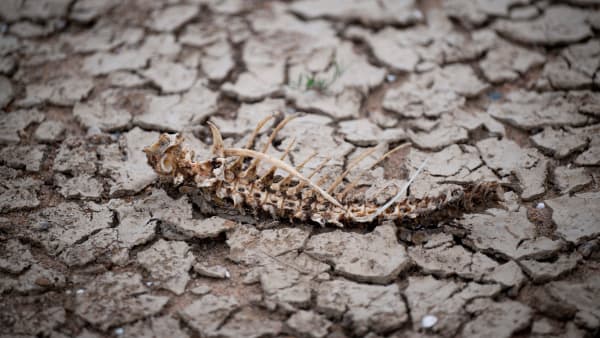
{"x": 540, "y": 205}
{"x": 308, "y": 324}
{"x": 119, "y": 331}
{"x": 428, "y": 321}
{"x": 216, "y": 271}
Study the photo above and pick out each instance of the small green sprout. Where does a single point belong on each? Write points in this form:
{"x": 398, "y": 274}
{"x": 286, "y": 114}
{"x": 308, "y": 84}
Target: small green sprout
{"x": 318, "y": 84}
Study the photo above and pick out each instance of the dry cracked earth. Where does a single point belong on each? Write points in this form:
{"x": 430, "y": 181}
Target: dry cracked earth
{"x": 93, "y": 246}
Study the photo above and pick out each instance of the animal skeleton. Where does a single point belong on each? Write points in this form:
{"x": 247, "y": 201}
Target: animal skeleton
{"x": 230, "y": 181}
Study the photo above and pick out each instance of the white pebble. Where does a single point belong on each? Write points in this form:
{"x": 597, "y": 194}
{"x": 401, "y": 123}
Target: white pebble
{"x": 428, "y": 321}
{"x": 119, "y": 331}
{"x": 390, "y": 78}
{"x": 149, "y": 284}
{"x": 80, "y": 291}
{"x": 540, "y": 205}
{"x": 94, "y": 130}
{"x": 43, "y": 225}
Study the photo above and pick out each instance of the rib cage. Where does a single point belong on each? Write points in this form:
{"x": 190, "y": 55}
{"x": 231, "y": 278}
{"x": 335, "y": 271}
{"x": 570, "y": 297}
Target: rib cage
{"x": 228, "y": 182}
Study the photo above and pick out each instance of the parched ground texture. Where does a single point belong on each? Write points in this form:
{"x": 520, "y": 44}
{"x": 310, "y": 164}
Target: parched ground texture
{"x": 92, "y": 246}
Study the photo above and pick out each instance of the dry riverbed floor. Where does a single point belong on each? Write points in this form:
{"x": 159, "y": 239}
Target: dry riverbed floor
{"x": 91, "y": 245}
